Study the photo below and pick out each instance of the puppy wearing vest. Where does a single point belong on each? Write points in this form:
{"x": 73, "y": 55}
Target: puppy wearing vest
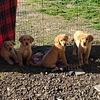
{"x": 82, "y": 46}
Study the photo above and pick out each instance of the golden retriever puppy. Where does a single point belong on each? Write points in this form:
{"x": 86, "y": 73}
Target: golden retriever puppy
{"x": 24, "y": 52}
{"x": 82, "y": 46}
{"x": 8, "y": 52}
{"x": 56, "y": 52}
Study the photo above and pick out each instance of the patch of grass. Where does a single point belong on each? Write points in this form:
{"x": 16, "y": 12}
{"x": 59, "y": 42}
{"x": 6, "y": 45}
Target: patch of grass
{"x": 91, "y": 13}
{"x": 50, "y": 11}
{"x": 69, "y": 9}
{"x": 96, "y": 21}
{"x": 95, "y": 26}
{"x": 87, "y": 2}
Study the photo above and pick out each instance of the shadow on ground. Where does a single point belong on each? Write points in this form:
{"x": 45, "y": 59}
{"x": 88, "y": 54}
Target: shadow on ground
{"x": 93, "y": 67}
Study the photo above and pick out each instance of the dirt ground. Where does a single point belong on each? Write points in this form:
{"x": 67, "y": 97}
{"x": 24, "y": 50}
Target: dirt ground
{"x": 44, "y": 27}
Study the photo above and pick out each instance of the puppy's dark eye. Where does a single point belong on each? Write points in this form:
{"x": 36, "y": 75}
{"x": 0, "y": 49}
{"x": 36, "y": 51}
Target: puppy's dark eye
{"x": 11, "y": 44}
{"x": 86, "y": 39}
{"x": 24, "y": 39}
{"x": 7, "y": 45}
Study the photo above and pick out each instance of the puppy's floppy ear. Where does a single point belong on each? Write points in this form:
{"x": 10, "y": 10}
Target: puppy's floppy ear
{"x": 80, "y": 37}
{"x": 56, "y": 40}
{"x": 90, "y": 38}
{"x": 21, "y": 39}
{"x": 31, "y": 39}
{"x": 66, "y": 37}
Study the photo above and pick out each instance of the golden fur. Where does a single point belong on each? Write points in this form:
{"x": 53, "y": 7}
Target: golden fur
{"x": 7, "y": 52}
{"x": 82, "y": 46}
{"x": 24, "y": 52}
{"x": 57, "y": 51}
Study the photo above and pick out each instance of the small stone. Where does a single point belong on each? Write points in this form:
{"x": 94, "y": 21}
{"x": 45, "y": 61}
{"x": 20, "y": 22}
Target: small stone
{"x": 98, "y": 97}
{"x": 59, "y": 99}
{"x": 68, "y": 87}
{"x": 41, "y": 73}
{"x": 97, "y": 87}
{"x": 98, "y": 66}
{"x": 38, "y": 95}
{"x": 79, "y": 72}
{"x": 73, "y": 98}
{"x": 61, "y": 69}
{"x": 8, "y": 90}
{"x": 46, "y": 73}
{"x": 71, "y": 73}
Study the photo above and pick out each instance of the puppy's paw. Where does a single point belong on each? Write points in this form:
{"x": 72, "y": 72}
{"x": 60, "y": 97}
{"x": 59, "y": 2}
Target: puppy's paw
{"x": 86, "y": 62}
{"x": 67, "y": 65}
{"x": 16, "y": 61}
{"x": 21, "y": 64}
{"x": 28, "y": 63}
{"x": 31, "y": 63}
{"x": 81, "y": 63}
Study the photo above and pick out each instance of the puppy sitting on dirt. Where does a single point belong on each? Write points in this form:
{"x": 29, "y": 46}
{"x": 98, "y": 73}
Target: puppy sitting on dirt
{"x": 82, "y": 46}
{"x": 24, "y": 52}
{"x": 55, "y": 53}
{"x": 8, "y": 52}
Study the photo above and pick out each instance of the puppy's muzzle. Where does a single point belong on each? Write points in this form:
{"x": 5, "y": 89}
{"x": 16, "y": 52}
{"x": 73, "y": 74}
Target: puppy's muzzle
{"x": 10, "y": 49}
{"x": 84, "y": 43}
{"x": 26, "y": 44}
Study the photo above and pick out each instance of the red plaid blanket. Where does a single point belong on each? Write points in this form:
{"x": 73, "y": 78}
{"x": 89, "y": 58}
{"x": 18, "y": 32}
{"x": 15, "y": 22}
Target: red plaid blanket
{"x": 7, "y": 20}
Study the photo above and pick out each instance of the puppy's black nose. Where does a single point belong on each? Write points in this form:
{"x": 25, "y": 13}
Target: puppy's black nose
{"x": 65, "y": 44}
{"x": 84, "y": 43}
{"x": 10, "y": 49}
{"x": 26, "y": 43}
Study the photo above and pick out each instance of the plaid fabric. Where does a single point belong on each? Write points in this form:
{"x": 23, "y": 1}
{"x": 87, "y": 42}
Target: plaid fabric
{"x": 7, "y": 20}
